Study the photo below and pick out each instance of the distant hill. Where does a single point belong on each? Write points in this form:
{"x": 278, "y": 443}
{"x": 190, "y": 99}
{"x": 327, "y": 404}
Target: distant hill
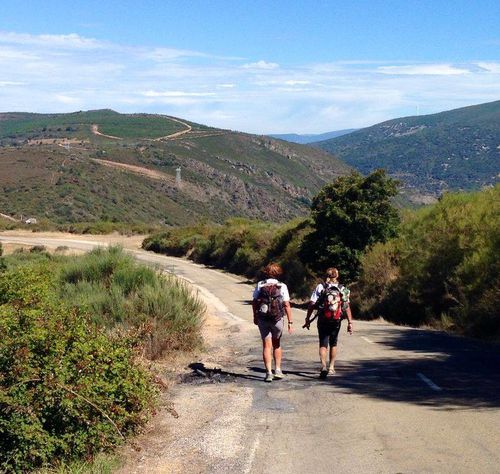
{"x": 305, "y": 139}
{"x": 454, "y": 150}
{"x": 102, "y": 165}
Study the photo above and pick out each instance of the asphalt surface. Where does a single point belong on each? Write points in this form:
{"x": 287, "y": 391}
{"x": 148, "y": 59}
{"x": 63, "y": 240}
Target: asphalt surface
{"x": 402, "y": 401}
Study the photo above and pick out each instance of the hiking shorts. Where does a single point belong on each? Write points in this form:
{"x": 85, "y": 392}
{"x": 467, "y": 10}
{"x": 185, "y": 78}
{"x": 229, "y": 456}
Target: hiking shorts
{"x": 270, "y": 328}
{"x": 328, "y": 333}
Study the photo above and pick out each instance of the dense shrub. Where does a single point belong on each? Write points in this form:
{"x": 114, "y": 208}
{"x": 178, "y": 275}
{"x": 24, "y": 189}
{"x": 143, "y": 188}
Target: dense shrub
{"x": 443, "y": 269}
{"x": 67, "y": 388}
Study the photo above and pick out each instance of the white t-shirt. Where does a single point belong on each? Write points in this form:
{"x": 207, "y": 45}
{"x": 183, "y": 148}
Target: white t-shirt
{"x": 319, "y": 289}
{"x": 282, "y": 286}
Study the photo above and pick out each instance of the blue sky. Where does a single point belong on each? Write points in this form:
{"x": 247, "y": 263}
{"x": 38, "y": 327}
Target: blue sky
{"x": 257, "y": 66}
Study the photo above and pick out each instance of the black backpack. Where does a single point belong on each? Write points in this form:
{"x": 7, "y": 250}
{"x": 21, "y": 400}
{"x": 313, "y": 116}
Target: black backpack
{"x": 270, "y": 302}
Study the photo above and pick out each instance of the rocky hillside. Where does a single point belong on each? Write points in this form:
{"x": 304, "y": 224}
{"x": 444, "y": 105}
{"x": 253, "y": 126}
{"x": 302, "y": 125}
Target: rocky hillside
{"x": 454, "y": 150}
{"x": 102, "y": 165}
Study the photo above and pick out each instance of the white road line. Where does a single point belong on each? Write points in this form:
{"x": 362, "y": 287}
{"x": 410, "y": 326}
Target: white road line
{"x": 251, "y": 455}
{"x": 429, "y": 382}
{"x": 367, "y": 340}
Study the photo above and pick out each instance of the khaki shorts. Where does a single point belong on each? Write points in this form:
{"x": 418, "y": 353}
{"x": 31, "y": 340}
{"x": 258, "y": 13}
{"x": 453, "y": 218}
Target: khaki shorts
{"x": 270, "y": 328}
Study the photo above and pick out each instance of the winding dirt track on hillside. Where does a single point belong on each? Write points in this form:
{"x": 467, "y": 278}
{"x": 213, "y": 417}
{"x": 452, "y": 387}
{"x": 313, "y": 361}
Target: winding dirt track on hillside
{"x": 189, "y": 188}
{"x": 149, "y": 173}
{"x": 176, "y": 134}
{"x": 95, "y": 131}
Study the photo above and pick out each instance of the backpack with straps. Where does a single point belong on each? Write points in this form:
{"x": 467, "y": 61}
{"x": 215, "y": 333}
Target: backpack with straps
{"x": 333, "y": 301}
{"x": 270, "y": 302}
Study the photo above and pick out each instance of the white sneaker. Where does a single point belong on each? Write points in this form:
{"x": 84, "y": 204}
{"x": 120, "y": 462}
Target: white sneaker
{"x": 278, "y": 374}
{"x": 269, "y": 377}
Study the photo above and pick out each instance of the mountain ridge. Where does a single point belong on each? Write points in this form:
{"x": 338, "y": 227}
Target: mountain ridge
{"x": 305, "y": 139}
{"x": 452, "y": 150}
{"x": 102, "y": 165}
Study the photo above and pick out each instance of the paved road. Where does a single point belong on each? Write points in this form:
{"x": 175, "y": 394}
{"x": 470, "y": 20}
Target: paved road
{"x": 403, "y": 400}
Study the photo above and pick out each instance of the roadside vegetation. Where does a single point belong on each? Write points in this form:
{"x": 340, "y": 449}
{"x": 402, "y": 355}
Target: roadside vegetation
{"x": 442, "y": 270}
{"x": 76, "y": 335}
{"x": 304, "y": 247}
{"x": 439, "y": 267}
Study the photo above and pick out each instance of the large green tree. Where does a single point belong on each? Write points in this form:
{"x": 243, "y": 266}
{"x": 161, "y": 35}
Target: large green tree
{"x": 349, "y": 215}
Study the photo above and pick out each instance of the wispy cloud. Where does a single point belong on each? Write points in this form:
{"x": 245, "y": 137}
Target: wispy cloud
{"x": 261, "y": 65}
{"x": 424, "y": 70}
{"x": 62, "y": 73}
{"x": 70, "y": 41}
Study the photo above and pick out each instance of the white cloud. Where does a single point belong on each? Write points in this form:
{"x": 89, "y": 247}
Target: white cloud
{"x": 62, "y": 73}
{"x": 296, "y": 83}
{"x": 261, "y": 65}
{"x": 11, "y": 83}
{"x": 177, "y": 94}
{"x": 66, "y": 99}
{"x": 169, "y": 54}
{"x": 423, "y": 69}
{"x": 71, "y": 40}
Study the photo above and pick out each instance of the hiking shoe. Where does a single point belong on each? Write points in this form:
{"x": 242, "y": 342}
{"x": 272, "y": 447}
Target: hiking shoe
{"x": 323, "y": 374}
{"x": 269, "y": 377}
{"x": 331, "y": 372}
{"x": 278, "y": 374}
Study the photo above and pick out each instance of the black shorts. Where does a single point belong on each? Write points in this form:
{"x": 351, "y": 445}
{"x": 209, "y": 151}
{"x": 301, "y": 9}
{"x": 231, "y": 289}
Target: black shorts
{"x": 328, "y": 332}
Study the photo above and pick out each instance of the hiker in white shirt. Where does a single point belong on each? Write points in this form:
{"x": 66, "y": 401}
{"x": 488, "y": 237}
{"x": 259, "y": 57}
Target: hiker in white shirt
{"x": 271, "y": 301}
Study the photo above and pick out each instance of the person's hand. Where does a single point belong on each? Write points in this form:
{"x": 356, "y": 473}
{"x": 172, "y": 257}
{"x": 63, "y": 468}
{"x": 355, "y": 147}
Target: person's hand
{"x": 349, "y": 327}
{"x": 290, "y": 328}
{"x": 307, "y": 324}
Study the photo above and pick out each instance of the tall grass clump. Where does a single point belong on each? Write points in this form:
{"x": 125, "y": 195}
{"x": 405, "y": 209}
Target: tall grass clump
{"x": 443, "y": 269}
{"x": 121, "y": 294}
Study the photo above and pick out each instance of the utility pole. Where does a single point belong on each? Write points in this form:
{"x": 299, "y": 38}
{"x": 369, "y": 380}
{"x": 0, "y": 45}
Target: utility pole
{"x": 178, "y": 177}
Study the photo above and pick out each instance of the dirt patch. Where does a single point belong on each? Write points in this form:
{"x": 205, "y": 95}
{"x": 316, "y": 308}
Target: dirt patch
{"x": 132, "y": 242}
{"x": 193, "y": 432}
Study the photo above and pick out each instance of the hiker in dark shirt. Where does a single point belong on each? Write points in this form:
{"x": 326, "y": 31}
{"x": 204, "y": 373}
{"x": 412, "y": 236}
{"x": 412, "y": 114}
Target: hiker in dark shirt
{"x": 271, "y": 301}
{"x": 331, "y": 300}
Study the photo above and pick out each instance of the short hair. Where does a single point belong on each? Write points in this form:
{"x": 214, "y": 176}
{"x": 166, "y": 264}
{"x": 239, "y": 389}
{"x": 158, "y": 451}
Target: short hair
{"x": 273, "y": 270}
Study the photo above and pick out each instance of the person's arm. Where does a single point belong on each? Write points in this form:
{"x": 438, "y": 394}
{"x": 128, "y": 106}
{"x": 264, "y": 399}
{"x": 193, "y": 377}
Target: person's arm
{"x": 288, "y": 311}
{"x": 349, "y": 319}
{"x": 308, "y": 320}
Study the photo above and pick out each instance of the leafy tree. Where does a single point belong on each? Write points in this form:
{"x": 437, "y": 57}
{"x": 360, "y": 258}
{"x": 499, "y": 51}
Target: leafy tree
{"x": 349, "y": 215}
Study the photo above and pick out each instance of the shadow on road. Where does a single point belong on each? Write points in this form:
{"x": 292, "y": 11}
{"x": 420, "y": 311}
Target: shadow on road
{"x": 466, "y": 373}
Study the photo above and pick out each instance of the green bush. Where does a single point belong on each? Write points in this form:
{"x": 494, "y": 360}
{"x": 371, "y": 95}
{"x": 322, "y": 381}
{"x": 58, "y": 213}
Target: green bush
{"x": 348, "y": 216}
{"x": 443, "y": 269}
{"x": 67, "y": 388}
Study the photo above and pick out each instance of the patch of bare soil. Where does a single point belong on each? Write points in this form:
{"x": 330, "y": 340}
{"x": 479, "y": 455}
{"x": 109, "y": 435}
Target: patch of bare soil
{"x": 95, "y": 131}
{"x": 133, "y": 242}
{"x": 196, "y": 430}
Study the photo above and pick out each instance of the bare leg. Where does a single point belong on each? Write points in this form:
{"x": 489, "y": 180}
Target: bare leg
{"x": 277, "y": 352}
{"x": 322, "y": 357}
{"x": 333, "y": 355}
{"x": 267, "y": 354}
